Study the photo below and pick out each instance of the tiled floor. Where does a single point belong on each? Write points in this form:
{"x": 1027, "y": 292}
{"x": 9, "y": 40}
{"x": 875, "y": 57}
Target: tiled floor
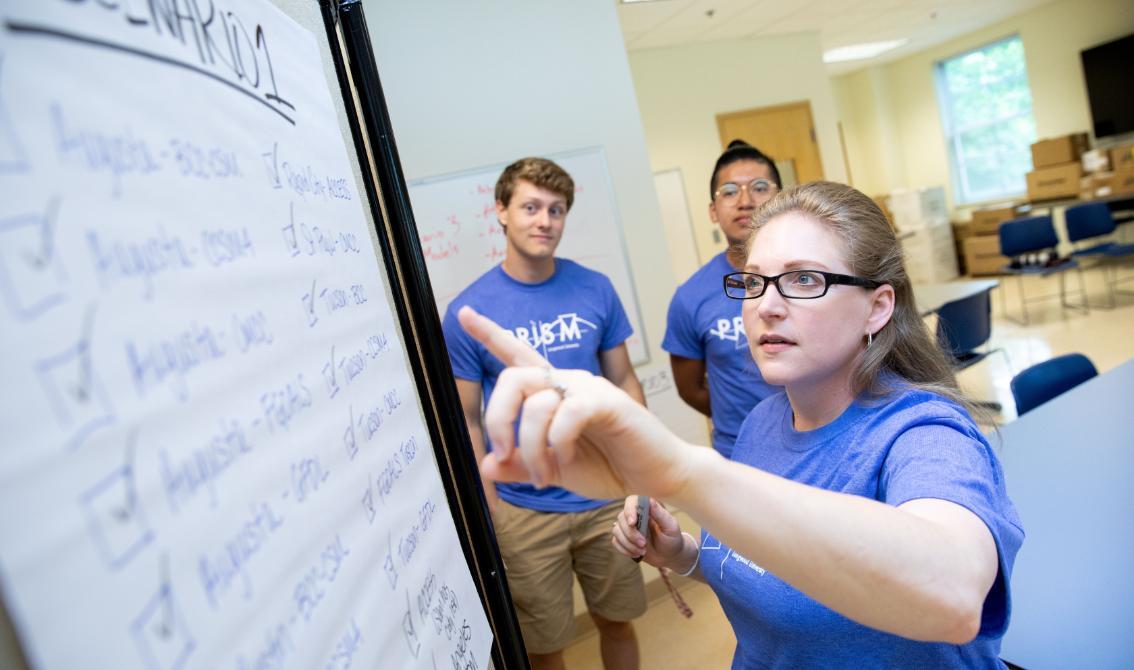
{"x": 1106, "y": 336}
{"x": 668, "y": 640}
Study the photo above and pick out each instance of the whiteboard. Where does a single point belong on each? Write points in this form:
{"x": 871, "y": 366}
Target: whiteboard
{"x": 214, "y": 455}
{"x": 461, "y": 238}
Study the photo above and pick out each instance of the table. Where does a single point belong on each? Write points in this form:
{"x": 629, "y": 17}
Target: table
{"x": 1069, "y": 467}
{"x": 932, "y": 297}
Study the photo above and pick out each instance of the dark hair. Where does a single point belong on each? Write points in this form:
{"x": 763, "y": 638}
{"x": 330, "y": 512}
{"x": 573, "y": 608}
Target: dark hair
{"x": 904, "y": 345}
{"x": 739, "y": 150}
{"x": 540, "y": 172}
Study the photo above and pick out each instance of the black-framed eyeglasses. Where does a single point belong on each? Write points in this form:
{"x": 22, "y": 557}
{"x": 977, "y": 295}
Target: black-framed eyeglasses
{"x": 730, "y": 190}
{"x": 797, "y": 284}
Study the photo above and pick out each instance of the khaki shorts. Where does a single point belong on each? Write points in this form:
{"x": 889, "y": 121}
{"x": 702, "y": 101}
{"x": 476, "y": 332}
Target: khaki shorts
{"x": 540, "y": 549}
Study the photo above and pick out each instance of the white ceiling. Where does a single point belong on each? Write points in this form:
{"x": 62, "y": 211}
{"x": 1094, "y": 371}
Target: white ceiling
{"x": 664, "y": 23}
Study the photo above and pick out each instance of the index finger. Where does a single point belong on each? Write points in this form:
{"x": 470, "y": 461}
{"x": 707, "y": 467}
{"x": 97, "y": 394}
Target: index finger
{"x": 500, "y": 343}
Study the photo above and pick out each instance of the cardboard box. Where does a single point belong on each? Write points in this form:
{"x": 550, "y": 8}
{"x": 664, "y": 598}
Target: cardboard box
{"x": 1060, "y": 181}
{"x": 913, "y": 209}
{"x": 987, "y": 220}
{"x": 1122, "y": 182}
{"x": 962, "y": 230}
{"x": 1100, "y": 184}
{"x": 1122, "y": 157}
{"x": 982, "y": 255}
{"x": 1057, "y": 150}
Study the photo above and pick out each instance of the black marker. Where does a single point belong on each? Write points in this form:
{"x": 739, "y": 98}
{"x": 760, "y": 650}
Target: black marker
{"x": 643, "y": 524}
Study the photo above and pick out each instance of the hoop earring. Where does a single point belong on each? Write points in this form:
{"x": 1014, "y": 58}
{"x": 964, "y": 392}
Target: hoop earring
{"x": 869, "y": 339}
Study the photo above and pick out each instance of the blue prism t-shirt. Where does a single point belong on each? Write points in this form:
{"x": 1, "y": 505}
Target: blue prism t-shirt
{"x": 705, "y": 325}
{"x": 908, "y": 445}
{"x": 569, "y": 319}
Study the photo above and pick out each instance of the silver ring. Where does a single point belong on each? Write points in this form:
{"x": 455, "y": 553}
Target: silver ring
{"x": 553, "y": 385}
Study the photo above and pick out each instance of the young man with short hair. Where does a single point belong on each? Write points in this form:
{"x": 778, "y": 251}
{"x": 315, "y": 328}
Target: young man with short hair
{"x": 573, "y": 317}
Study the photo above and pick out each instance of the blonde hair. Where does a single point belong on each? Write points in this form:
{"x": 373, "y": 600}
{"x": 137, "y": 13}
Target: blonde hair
{"x": 904, "y": 345}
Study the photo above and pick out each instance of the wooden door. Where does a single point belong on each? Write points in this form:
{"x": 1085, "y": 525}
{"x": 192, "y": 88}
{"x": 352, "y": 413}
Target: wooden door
{"x": 784, "y": 132}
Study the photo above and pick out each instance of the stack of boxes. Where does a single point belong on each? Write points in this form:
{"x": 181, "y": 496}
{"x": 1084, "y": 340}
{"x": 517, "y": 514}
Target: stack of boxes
{"x": 1109, "y": 172}
{"x": 1065, "y": 168}
{"x": 1058, "y": 169}
{"x": 922, "y": 221}
{"x": 982, "y": 245}
{"x": 1122, "y": 162}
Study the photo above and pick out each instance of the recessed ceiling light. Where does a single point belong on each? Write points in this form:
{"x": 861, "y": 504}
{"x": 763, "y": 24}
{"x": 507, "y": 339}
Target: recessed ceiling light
{"x": 860, "y": 51}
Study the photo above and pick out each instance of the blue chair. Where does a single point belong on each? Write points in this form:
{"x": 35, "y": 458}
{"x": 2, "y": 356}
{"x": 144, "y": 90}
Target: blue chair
{"x": 963, "y": 327}
{"x": 1033, "y": 235}
{"x": 1090, "y": 227}
{"x": 1043, "y": 381}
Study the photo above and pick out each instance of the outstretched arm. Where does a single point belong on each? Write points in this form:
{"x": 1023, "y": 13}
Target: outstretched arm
{"x": 921, "y": 570}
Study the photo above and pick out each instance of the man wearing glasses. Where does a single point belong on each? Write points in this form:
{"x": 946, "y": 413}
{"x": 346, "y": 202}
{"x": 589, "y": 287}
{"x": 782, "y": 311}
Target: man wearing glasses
{"x": 708, "y": 350}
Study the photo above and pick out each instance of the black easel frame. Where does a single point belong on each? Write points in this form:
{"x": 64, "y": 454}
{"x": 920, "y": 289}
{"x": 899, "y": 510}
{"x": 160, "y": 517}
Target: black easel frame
{"x": 390, "y": 208}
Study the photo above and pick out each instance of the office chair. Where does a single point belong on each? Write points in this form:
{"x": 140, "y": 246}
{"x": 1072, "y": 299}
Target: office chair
{"x": 963, "y": 326}
{"x": 1092, "y": 222}
{"x": 1031, "y": 235}
{"x": 1044, "y": 381}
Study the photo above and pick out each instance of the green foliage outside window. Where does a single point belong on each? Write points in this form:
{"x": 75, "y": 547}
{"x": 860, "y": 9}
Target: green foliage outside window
{"x": 987, "y": 109}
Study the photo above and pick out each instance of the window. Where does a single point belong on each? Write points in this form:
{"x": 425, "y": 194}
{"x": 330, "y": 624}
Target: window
{"x": 986, "y": 107}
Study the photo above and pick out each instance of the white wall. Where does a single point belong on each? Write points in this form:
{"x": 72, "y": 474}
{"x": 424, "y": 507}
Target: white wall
{"x": 870, "y": 131}
{"x": 470, "y": 84}
{"x": 890, "y": 116}
{"x": 682, "y": 89}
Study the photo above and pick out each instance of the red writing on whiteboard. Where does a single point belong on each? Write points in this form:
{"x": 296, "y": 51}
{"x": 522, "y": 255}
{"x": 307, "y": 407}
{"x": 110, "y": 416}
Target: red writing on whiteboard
{"x": 488, "y": 211}
{"x": 440, "y": 250}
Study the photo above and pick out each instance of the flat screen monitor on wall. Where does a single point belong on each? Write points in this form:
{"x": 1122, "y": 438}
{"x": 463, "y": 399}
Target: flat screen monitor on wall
{"x": 1110, "y": 78}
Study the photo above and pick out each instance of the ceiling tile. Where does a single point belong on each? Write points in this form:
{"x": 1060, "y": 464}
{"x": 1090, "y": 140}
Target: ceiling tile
{"x": 839, "y": 22}
{"x": 756, "y": 18}
{"x": 639, "y": 17}
{"x": 698, "y": 18}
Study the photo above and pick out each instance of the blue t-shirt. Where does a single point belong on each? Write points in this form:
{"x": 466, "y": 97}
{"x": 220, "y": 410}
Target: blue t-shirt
{"x": 570, "y": 319}
{"x": 705, "y": 325}
{"x": 910, "y": 444}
